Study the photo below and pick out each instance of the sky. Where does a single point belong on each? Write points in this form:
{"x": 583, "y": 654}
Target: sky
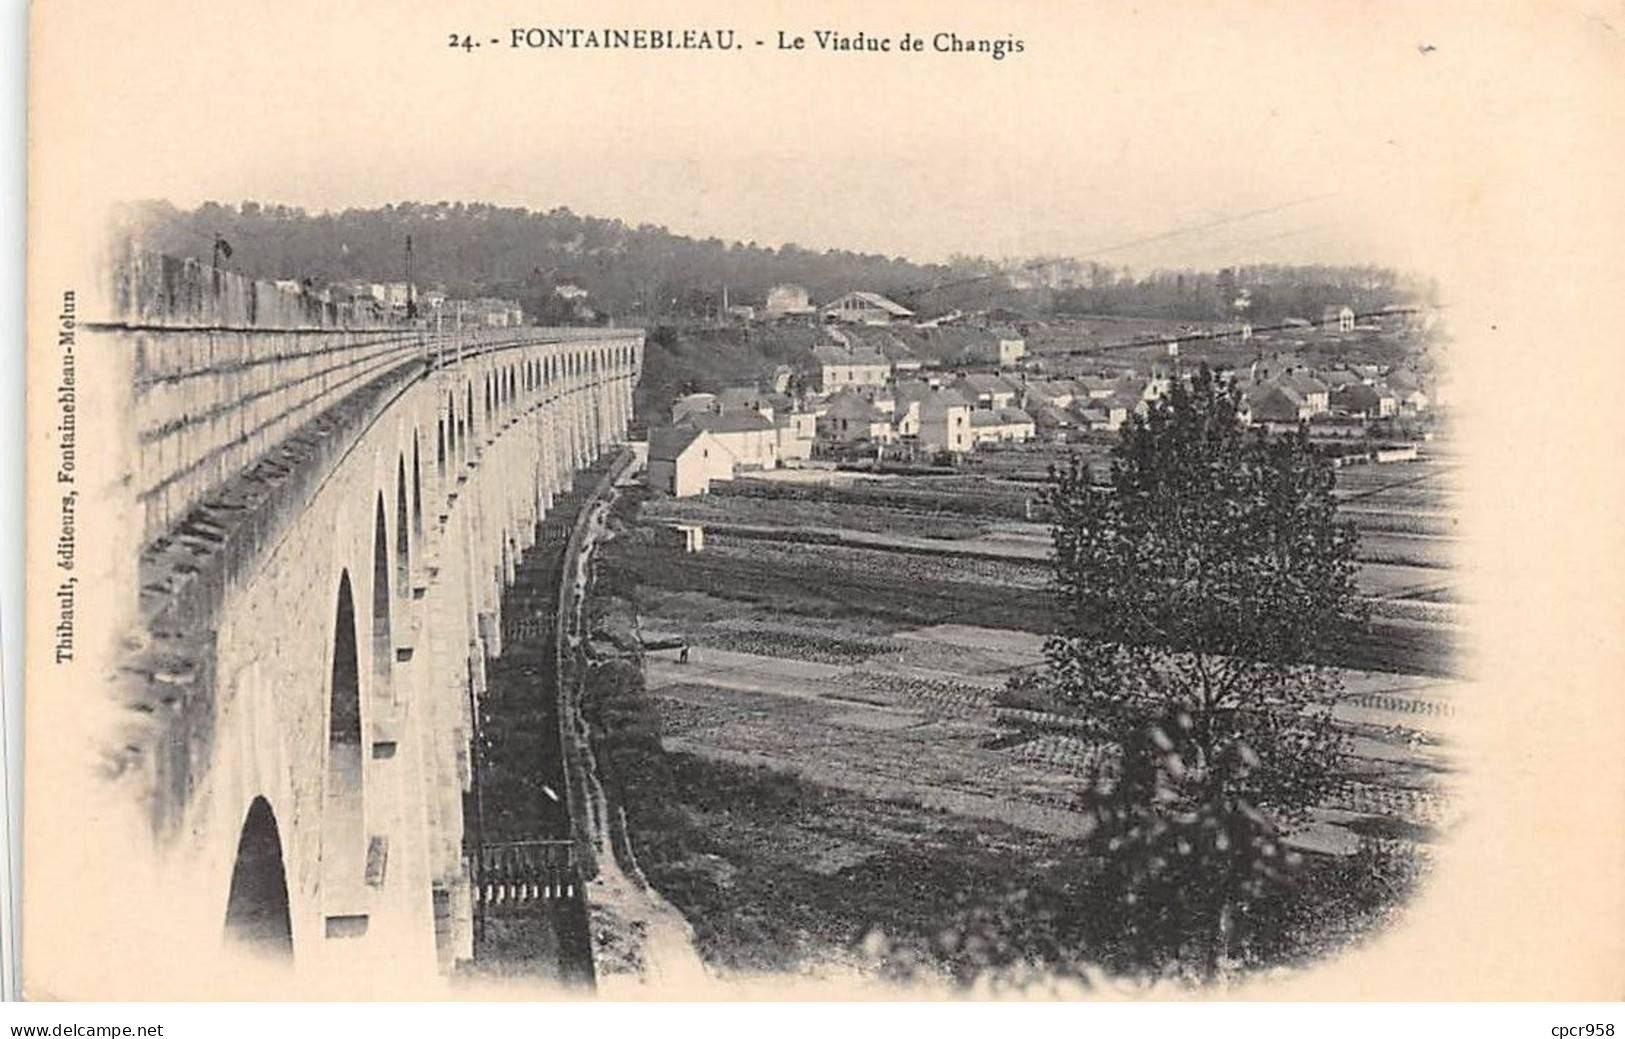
{"x": 1146, "y": 134}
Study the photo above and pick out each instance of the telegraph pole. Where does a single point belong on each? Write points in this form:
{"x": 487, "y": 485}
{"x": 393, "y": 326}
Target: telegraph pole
{"x": 411, "y": 294}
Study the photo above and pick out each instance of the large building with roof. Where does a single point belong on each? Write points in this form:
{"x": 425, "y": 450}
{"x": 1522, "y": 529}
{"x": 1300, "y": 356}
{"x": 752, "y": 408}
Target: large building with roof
{"x": 865, "y": 308}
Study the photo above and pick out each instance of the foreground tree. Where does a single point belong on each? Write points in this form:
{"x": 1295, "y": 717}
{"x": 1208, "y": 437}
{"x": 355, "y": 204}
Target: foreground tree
{"x": 1200, "y": 590}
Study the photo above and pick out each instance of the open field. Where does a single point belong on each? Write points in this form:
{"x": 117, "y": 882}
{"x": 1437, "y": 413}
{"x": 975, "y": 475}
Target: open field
{"x": 841, "y": 744}
{"x": 935, "y": 549}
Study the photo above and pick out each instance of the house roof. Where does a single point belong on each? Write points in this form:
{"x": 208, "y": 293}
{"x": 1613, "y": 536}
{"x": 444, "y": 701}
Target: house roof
{"x": 730, "y": 422}
{"x": 668, "y": 444}
{"x": 1301, "y": 383}
{"x": 1050, "y": 415}
{"x": 981, "y": 383}
{"x": 940, "y": 401}
{"x": 862, "y": 355}
{"x": 1357, "y": 397}
{"x": 1275, "y": 403}
{"x": 853, "y": 406}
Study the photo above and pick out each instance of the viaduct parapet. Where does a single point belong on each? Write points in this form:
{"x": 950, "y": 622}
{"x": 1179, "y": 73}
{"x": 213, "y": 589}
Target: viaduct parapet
{"x": 330, "y": 504}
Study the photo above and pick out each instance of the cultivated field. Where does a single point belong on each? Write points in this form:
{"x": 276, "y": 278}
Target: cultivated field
{"x": 850, "y": 641}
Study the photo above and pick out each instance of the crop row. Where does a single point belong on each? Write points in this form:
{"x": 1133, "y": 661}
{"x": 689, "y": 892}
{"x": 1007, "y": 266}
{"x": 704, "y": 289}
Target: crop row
{"x": 1400, "y": 704}
{"x": 1430, "y": 807}
{"x": 944, "y": 697}
{"x": 992, "y": 501}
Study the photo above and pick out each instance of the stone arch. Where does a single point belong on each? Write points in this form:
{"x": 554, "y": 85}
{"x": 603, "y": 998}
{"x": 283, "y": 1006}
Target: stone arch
{"x": 343, "y": 792}
{"x": 403, "y": 531}
{"x": 440, "y": 447}
{"x": 382, "y": 646}
{"x": 417, "y": 490}
{"x": 257, "y": 916}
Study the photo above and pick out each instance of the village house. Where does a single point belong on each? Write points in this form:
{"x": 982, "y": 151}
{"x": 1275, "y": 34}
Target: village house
{"x": 1357, "y": 400}
{"x": 1407, "y": 390}
{"x": 787, "y": 301}
{"x": 840, "y": 368}
{"x": 1096, "y": 387}
{"x": 984, "y": 390}
{"x": 1001, "y": 426}
{"x": 796, "y": 431}
{"x": 684, "y": 460}
{"x": 1053, "y": 393}
{"x": 945, "y": 422}
{"x": 865, "y": 308}
{"x": 1055, "y": 424}
{"x": 1273, "y": 404}
{"x": 1119, "y": 406}
{"x": 1006, "y": 347}
{"x": 1100, "y": 416}
{"x": 1311, "y": 389}
{"x": 749, "y": 439}
{"x": 852, "y": 418}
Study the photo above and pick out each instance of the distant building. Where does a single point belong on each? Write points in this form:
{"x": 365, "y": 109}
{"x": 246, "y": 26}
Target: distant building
{"x": 1008, "y": 348}
{"x": 1337, "y": 318}
{"x": 840, "y": 368}
{"x": 570, "y": 292}
{"x": 865, "y": 308}
{"x": 787, "y": 301}
{"x": 683, "y": 461}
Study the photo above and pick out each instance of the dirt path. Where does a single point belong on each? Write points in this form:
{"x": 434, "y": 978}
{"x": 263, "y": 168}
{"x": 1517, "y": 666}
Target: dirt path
{"x": 640, "y": 941}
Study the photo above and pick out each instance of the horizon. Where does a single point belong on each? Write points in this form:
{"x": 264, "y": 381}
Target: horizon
{"x": 1008, "y": 263}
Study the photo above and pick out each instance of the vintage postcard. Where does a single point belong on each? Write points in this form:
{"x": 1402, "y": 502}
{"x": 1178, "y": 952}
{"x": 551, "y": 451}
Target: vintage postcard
{"x": 824, "y": 500}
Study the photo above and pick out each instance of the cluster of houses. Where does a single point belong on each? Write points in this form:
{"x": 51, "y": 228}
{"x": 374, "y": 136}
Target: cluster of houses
{"x": 863, "y": 392}
{"x": 403, "y": 299}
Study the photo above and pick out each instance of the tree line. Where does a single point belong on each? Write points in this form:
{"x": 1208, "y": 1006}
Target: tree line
{"x": 646, "y": 273}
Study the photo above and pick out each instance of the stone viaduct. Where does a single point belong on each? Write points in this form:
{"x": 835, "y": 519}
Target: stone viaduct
{"x": 331, "y": 503}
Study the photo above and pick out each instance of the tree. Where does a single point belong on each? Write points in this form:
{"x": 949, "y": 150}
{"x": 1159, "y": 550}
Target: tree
{"x": 1200, "y": 591}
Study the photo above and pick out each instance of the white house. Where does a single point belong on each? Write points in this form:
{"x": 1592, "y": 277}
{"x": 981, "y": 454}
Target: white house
{"x": 945, "y": 422}
{"x": 683, "y": 461}
{"x": 840, "y": 368}
{"x": 748, "y": 436}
